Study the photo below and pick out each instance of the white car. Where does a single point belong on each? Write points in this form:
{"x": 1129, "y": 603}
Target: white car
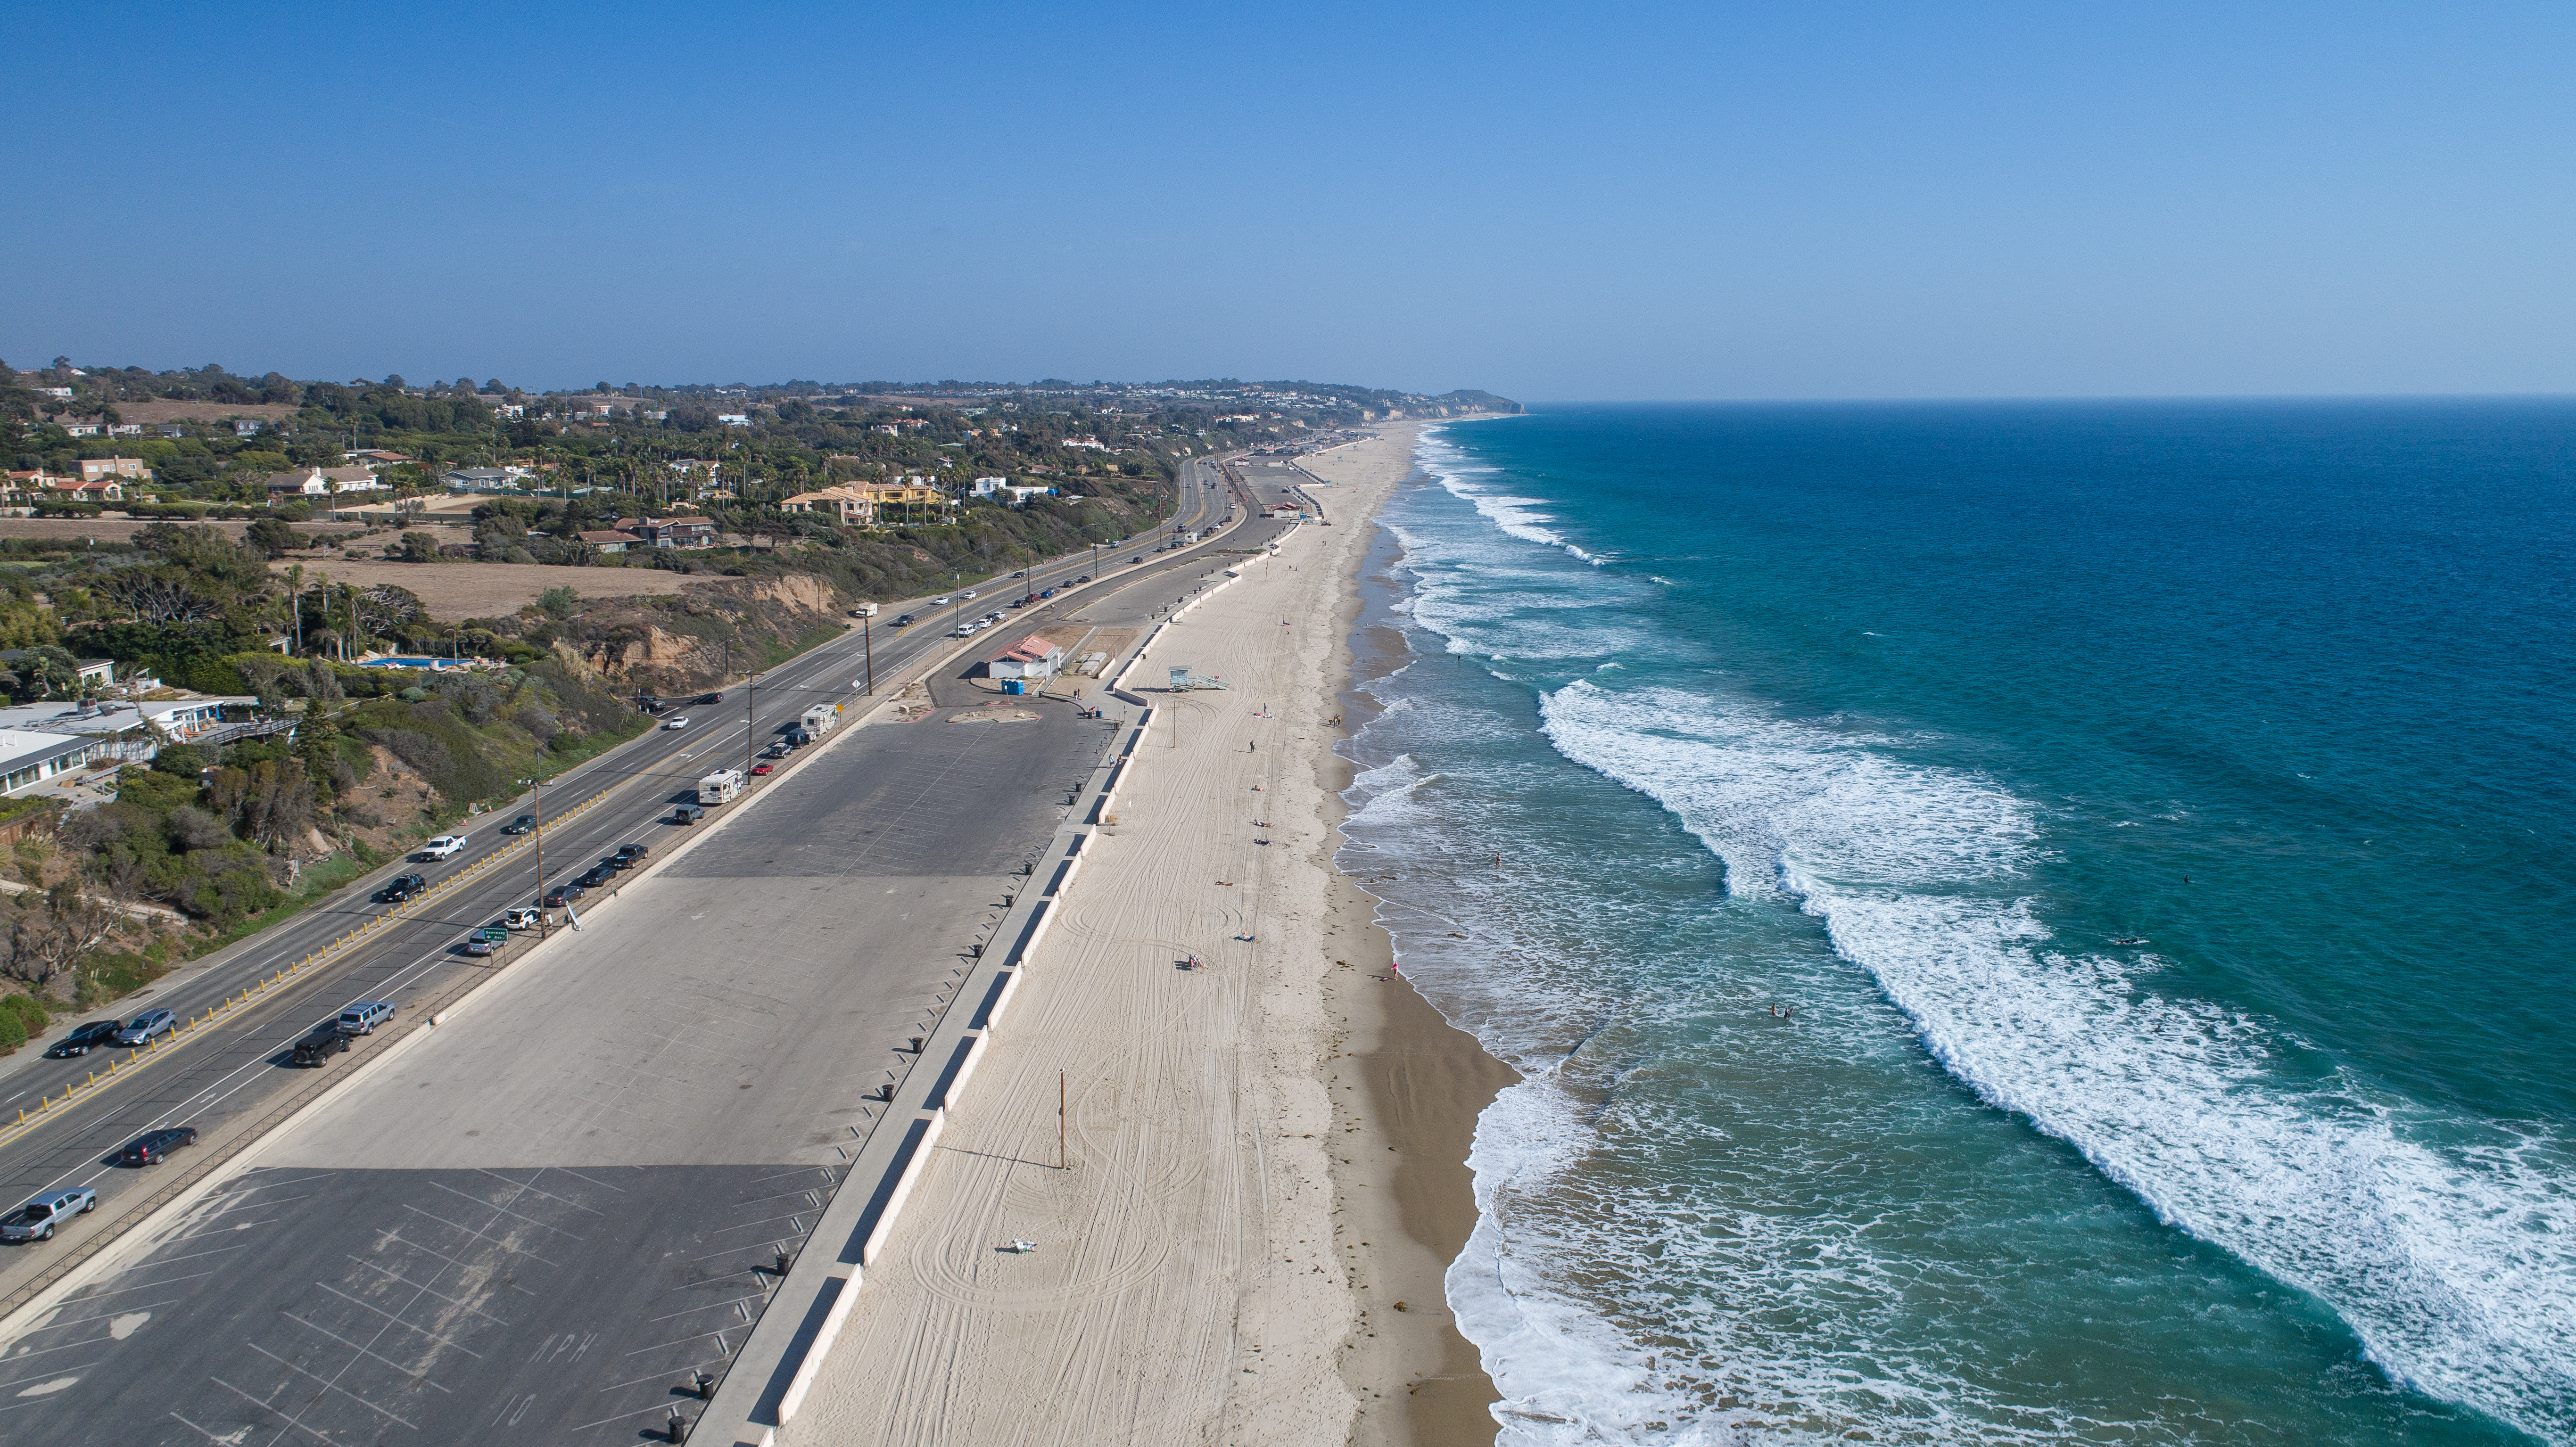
{"x": 676, "y": 723}
{"x": 968, "y": 595}
{"x": 443, "y": 847}
{"x": 938, "y": 602}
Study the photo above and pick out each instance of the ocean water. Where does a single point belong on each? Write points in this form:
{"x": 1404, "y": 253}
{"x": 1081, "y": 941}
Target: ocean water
{"x": 2022, "y": 923}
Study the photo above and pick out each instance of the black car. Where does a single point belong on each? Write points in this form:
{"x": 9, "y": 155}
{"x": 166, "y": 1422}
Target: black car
{"x": 152, "y": 1146}
{"x": 903, "y": 622}
{"x": 96, "y": 1035}
{"x": 594, "y": 877}
{"x": 633, "y": 853}
{"x": 563, "y": 894}
{"x": 321, "y": 1043}
{"x": 1140, "y": 557}
{"x": 711, "y": 698}
{"x": 616, "y": 862}
{"x": 403, "y": 887}
{"x": 520, "y": 825}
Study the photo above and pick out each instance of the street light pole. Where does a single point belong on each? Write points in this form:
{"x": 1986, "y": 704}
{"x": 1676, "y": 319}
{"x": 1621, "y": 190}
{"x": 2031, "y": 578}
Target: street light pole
{"x": 537, "y": 788}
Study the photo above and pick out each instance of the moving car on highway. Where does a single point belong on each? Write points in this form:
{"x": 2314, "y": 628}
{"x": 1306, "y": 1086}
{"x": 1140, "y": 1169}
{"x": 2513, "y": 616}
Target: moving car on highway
{"x": 155, "y": 1146}
{"x": 520, "y": 825}
{"x": 443, "y": 847}
{"x": 403, "y": 887}
{"x": 36, "y": 1220}
{"x": 96, "y": 1035}
{"x": 680, "y": 722}
{"x": 143, "y": 1027}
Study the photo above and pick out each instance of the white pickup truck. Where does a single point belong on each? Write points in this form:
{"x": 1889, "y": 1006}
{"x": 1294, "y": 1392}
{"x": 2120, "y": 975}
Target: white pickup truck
{"x": 444, "y": 846}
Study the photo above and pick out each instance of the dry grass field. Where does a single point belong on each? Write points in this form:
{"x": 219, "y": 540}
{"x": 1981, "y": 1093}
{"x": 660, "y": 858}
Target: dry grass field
{"x": 495, "y": 590}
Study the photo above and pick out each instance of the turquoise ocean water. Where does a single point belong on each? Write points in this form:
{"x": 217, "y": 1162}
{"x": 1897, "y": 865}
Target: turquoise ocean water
{"x": 2157, "y": 820}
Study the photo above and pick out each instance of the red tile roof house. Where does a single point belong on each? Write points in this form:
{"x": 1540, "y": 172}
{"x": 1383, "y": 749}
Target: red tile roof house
{"x": 1031, "y": 657}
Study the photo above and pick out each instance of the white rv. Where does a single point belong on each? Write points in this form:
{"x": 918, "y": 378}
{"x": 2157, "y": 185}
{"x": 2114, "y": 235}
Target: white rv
{"x": 721, "y": 787}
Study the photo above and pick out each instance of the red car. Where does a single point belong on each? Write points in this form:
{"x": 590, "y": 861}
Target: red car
{"x": 759, "y": 769}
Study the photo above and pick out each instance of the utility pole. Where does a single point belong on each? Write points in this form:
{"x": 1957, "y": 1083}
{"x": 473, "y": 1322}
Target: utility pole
{"x": 868, "y": 643}
{"x": 538, "y": 788}
{"x": 1059, "y": 1120}
{"x": 750, "y": 691}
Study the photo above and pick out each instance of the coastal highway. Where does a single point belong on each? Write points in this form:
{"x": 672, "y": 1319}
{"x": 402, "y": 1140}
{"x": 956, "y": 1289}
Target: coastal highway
{"x": 227, "y": 1078}
{"x": 542, "y": 1219}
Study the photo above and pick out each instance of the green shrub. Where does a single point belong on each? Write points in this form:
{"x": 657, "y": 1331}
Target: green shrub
{"x": 28, "y": 1011}
{"x": 13, "y": 1031}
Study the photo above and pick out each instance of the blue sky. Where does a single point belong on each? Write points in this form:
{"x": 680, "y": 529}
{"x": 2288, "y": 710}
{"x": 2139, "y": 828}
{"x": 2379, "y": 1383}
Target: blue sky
{"x": 1564, "y": 202}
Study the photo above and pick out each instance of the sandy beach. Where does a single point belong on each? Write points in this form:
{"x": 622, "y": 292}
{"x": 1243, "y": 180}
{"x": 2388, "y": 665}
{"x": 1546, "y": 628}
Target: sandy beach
{"x": 1263, "y": 1177}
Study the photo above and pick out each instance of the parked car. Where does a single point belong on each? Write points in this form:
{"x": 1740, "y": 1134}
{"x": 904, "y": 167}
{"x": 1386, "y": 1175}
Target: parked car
{"x": 563, "y": 894}
{"x": 520, "y": 825}
{"x": 593, "y": 877}
{"x": 1140, "y": 557}
{"x": 1047, "y": 593}
{"x": 633, "y": 851}
{"x": 320, "y": 1043}
{"x": 521, "y": 918}
{"x": 154, "y": 1146}
{"x": 1019, "y": 602}
{"x": 615, "y": 862}
{"x": 402, "y": 887}
{"x": 36, "y": 1220}
{"x": 760, "y": 770}
{"x": 445, "y": 846}
{"x": 363, "y": 1017}
{"x": 711, "y": 698}
{"x": 141, "y": 1029}
{"x": 1085, "y": 578}
{"x": 680, "y": 722}
{"x": 478, "y": 946}
{"x": 97, "y": 1034}
{"x": 688, "y": 814}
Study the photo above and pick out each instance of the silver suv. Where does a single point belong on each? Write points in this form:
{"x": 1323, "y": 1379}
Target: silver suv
{"x": 36, "y": 1220}
{"x": 143, "y": 1027}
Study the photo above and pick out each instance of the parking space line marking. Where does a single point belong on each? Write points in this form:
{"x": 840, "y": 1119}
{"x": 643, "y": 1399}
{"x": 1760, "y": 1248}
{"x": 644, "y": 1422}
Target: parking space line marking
{"x": 470, "y": 1231}
{"x": 147, "y": 1286}
{"x": 265, "y": 1407}
{"x": 398, "y": 1321}
{"x": 49, "y": 1374}
{"x": 504, "y": 1210}
{"x": 709, "y": 1306}
{"x": 362, "y": 1351}
{"x": 660, "y": 1376}
{"x": 576, "y": 1205}
{"x": 327, "y": 1386}
{"x": 673, "y": 1342}
{"x": 111, "y": 1316}
{"x": 416, "y": 1286}
{"x": 397, "y": 1236}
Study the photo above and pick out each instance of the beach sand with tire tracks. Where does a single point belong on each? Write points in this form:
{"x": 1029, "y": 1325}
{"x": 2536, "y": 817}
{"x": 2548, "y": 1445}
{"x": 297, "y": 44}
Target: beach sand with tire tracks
{"x": 1263, "y": 1155}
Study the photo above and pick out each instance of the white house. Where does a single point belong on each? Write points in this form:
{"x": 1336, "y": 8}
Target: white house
{"x": 1031, "y": 657}
{"x": 324, "y": 482}
{"x": 28, "y": 759}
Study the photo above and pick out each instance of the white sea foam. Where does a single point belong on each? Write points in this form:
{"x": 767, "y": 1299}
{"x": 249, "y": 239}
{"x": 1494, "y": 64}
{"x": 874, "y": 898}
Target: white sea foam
{"x": 1518, "y": 516}
{"x": 2448, "y": 1245}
